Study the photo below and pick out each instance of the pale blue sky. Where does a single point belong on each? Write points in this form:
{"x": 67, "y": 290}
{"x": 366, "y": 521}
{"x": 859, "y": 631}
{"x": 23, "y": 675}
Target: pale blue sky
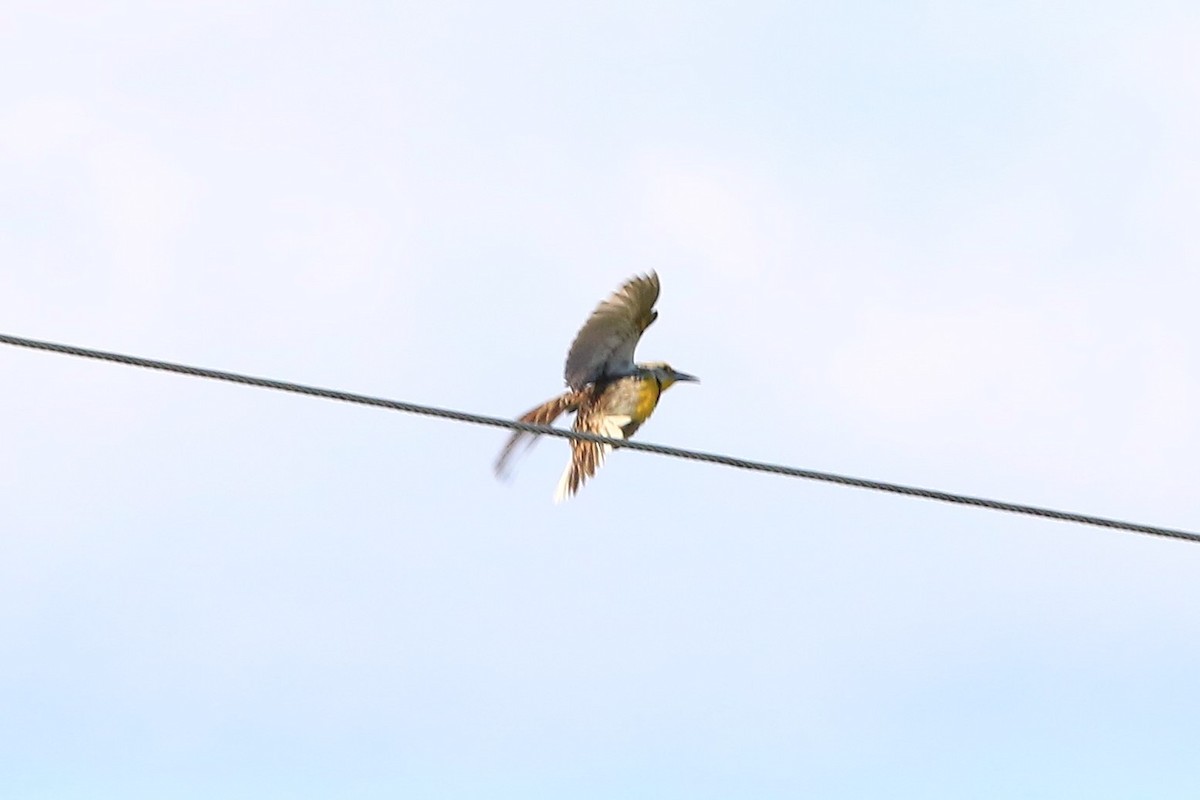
{"x": 940, "y": 244}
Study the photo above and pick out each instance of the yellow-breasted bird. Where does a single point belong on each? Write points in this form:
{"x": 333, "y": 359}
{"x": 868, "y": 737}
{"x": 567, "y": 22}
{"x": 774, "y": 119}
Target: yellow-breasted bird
{"x": 609, "y": 394}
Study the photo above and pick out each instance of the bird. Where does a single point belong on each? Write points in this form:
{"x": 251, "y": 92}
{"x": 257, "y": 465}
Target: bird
{"x": 609, "y": 394}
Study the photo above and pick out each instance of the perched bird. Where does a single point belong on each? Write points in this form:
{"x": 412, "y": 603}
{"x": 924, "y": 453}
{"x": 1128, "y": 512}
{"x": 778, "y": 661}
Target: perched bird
{"x": 609, "y": 394}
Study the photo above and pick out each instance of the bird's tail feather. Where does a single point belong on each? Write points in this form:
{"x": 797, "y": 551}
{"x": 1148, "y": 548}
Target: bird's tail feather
{"x": 545, "y": 414}
{"x": 587, "y": 457}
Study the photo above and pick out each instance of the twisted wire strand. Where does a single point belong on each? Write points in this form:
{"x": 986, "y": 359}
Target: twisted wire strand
{"x": 646, "y": 447}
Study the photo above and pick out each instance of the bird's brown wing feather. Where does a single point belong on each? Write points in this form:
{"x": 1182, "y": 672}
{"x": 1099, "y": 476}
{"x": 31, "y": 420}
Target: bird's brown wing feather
{"x": 587, "y": 457}
{"x": 604, "y": 345}
{"x": 545, "y": 414}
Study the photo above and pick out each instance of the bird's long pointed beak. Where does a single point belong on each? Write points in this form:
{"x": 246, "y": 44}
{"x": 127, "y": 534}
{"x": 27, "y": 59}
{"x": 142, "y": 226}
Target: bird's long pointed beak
{"x": 683, "y": 376}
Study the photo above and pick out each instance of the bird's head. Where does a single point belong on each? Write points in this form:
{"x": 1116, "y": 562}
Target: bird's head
{"x": 667, "y": 374}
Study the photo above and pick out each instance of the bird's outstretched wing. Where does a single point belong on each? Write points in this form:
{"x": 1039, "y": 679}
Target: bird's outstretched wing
{"x": 605, "y": 343}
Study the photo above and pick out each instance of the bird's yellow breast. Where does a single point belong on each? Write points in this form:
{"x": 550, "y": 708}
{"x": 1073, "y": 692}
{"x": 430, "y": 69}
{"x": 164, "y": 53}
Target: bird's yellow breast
{"x": 626, "y": 402}
{"x": 648, "y": 392}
